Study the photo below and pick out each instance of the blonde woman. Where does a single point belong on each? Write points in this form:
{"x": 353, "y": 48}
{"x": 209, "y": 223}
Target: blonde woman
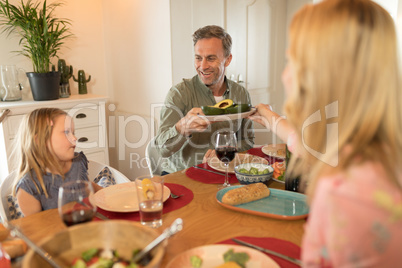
{"x": 44, "y": 147}
{"x": 344, "y": 105}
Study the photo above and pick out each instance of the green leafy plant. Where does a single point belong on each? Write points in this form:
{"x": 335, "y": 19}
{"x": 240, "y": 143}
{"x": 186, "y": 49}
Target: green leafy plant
{"x": 41, "y": 33}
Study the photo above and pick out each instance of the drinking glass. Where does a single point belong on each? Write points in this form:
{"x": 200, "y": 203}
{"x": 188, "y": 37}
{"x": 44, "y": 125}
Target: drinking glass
{"x": 73, "y": 202}
{"x": 226, "y": 148}
{"x": 150, "y": 199}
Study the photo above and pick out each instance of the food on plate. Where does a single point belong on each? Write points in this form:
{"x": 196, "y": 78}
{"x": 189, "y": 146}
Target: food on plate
{"x": 254, "y": 171}
{"x": 196, "y": 262}
{"x": 231, "y": 260}
{"x": 226, "y": 106}
{"x": 102, "y": 258}
{"x": 230, "y": 264}
{"x": 148, "y": 188}
{"x": 245, "y": 194}
{"x": 279, "y": 170}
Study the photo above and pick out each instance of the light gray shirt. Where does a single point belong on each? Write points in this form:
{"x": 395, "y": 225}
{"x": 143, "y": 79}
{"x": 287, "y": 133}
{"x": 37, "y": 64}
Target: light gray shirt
{"x": 183, "y": 152}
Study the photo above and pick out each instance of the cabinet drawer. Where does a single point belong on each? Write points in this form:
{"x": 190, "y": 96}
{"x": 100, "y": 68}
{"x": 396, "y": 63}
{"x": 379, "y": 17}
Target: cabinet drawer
{"x": 85, "y": 117}
{"x": 89, "y": 138}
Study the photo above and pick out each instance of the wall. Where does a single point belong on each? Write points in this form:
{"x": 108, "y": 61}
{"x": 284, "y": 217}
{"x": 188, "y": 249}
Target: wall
{"x": 125, "y": 46}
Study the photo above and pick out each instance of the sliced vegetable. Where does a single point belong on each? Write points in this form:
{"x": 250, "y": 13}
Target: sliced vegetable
{"x": 195, "y": 261}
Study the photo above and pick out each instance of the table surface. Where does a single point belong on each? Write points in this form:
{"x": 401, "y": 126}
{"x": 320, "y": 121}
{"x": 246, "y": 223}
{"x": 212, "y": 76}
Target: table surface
{"x": 205, "y": 221}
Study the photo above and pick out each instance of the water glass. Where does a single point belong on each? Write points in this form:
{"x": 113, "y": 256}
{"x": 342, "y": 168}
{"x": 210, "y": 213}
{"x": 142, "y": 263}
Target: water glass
{"x": 150, "y": 199}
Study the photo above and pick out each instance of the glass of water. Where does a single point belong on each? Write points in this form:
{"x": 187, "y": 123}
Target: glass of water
{"x": 150, "y": 199}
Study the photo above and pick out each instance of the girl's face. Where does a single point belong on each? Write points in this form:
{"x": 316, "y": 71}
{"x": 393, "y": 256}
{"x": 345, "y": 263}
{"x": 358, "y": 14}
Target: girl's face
{"x": 63, "y": 140}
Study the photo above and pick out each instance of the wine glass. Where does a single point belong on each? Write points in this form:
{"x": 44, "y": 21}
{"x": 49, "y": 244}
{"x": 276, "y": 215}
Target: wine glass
{"x": 226, "y": 148}
{"x": 73, "y": 202}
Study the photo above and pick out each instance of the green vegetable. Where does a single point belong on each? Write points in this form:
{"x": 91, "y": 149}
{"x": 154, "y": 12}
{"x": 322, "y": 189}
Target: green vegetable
{"x": 89, "y": 254}
{"x": 79, "y": 264}
{"x": 104, "y": 263}
{"x": 240, "y": 258}
{"x": 132, "y": 265}
{"x": 195, "y": 261}
{"x": 254, "y": 171}
{"x": 244, "y": 171}
{"x": 265, "y": 171}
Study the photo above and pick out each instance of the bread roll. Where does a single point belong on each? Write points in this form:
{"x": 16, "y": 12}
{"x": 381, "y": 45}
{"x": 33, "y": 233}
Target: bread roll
{"x": 15, "y": 247}
{"x": 245, "y": 194}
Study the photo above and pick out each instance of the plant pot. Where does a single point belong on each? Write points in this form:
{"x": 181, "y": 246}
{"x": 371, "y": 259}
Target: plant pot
{"x": 45, "y": 86}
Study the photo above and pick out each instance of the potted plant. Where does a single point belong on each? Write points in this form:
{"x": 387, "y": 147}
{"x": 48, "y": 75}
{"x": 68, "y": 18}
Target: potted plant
{"x": 41, "y": 37}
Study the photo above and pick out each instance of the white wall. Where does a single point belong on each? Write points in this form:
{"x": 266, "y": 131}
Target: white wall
{"x": 125, "y": 46}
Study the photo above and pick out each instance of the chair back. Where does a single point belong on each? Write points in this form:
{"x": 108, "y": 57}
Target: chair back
{"x": 95, "y": 167}
{"x": 6, "y": 188}
{"x": 154, "y": 160}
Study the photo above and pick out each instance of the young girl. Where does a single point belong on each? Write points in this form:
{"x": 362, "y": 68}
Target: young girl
{"x": 45, "y": 146}
{"x": 343, "y": 103}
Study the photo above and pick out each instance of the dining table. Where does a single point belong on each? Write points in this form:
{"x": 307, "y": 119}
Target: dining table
{"x": 206, "y": 222}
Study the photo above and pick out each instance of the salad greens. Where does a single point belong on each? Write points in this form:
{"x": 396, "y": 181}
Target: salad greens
{"x": 229, "y": 256}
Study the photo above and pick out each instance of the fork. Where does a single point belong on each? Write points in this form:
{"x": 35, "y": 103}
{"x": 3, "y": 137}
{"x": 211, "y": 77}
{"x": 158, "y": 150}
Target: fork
{"x": 172, "y": 195}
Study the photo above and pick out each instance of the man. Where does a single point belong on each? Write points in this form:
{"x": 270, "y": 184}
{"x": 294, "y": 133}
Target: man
{"x": 185, "y": 137}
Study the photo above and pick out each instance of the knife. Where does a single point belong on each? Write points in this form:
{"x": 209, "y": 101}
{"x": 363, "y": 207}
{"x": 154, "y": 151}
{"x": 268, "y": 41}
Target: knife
{"x": 215, "y": 172}
{"x": 101, "y": 216}
{"x": 292, "y": 260}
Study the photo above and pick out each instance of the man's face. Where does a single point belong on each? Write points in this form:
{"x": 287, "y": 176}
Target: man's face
{"x": 210, "y": 62}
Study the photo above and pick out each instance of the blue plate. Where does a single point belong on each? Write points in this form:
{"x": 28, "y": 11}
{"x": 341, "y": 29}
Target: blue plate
{"x": 280, "y": 204}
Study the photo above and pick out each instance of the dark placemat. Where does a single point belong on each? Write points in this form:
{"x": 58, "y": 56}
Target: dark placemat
{"x": 208, "y": 177}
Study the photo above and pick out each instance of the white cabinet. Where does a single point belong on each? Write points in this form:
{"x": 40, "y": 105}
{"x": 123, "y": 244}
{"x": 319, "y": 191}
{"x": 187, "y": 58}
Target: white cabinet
{"x": 88, "y": 112}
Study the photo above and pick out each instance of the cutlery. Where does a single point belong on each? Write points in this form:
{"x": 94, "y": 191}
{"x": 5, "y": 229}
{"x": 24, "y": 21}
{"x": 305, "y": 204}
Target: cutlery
{"x": 101, "y": 216}
{"x": 14, "y": 231}
{"x": 290, "y": 259}
{"x": 215, "y": 172}
{"x": 172, "y": 195}
{"x": 143, "y": 257}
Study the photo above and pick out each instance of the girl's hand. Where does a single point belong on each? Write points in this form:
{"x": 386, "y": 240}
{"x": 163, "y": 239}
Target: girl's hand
{"x": 263, "y": 114}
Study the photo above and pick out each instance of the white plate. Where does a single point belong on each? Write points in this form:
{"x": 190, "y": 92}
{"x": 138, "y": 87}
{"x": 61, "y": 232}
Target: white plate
{"x": 228, "y": 117}
{"x": 218, "y": 165}
{"x": 212, "y": 256}
{"x": 275, "y": 150}
{"x": 120, "y": 197}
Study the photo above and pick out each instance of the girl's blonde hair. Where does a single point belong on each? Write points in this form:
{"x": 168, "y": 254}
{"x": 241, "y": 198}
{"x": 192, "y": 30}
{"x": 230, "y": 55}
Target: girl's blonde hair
{"x": 32, "y": 147}
{"x": 345, "y": 63}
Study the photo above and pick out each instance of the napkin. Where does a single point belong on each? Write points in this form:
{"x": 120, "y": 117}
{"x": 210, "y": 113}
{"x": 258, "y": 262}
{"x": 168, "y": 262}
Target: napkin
{"x": 258, "y": 152}
{"x": 281, "y": 246}
{"x": 208, "y": 177}
{"x": 169, "y": 205}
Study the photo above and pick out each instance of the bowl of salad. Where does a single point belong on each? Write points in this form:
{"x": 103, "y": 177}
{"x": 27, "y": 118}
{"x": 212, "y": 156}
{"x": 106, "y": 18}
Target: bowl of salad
{"x": 98, "y": 244}
{"x": 248, "y": 173}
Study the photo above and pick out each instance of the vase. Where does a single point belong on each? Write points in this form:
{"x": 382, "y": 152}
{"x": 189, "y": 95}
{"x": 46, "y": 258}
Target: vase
{"x": 45, "y": 86}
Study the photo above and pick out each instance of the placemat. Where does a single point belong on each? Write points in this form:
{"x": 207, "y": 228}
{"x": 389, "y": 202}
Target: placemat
{"x": 169, "y": 205}
{"x": 258, "y": 152}
{"x": 281, "y": 246}
{"x": 208, "y": 177}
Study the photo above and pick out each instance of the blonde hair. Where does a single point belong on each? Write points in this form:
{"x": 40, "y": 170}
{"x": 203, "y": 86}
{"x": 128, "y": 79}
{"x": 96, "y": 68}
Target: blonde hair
{"x": 345, "y": 63}
{"x": 31, "y": 150}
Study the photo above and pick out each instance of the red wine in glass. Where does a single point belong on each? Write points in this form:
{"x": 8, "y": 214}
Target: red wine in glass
{"x": 77, "y": 216}
{"x": 226, "y": 154}
{"x": 225, "y": 149}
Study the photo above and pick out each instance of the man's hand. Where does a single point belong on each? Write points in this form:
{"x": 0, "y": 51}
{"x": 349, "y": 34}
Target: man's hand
{"x": 192, "y": 123}
{"x": 209, "y": 154}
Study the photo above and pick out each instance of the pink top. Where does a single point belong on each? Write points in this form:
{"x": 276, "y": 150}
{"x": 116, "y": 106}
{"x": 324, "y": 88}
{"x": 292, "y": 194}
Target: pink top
{"x": 355, "y": 220}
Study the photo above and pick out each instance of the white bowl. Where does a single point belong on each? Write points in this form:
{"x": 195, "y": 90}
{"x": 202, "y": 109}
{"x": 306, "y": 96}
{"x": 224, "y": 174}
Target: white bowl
{"x": 249, "y": 178}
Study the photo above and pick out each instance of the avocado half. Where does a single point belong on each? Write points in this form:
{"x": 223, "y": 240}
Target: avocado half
{"x": 226, "y": 106}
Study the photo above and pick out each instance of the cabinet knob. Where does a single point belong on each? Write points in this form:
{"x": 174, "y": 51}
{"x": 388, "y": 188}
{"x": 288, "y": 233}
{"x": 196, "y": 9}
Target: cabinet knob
{"x": 83, "y": 139}
{"x": 81, "y": 115}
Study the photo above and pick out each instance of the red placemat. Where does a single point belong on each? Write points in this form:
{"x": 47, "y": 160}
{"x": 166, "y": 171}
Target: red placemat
{"x": 169, "y": 205}
{"x": 258, "y": 152}
{"x": 281, "y": 246}
{"x": 208, "y": 177}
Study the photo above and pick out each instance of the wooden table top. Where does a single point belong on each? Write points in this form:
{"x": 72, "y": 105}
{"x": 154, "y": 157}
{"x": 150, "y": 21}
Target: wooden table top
{"x": 205, "y": 221}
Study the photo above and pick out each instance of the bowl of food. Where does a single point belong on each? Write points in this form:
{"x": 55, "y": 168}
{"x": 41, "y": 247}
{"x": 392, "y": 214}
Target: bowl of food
{"x": 248, "y": 173}
{"x": 121, "y": 238}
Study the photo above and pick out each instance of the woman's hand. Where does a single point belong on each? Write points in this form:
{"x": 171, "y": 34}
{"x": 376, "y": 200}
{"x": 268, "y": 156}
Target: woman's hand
{"x": 263, "y": 115}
